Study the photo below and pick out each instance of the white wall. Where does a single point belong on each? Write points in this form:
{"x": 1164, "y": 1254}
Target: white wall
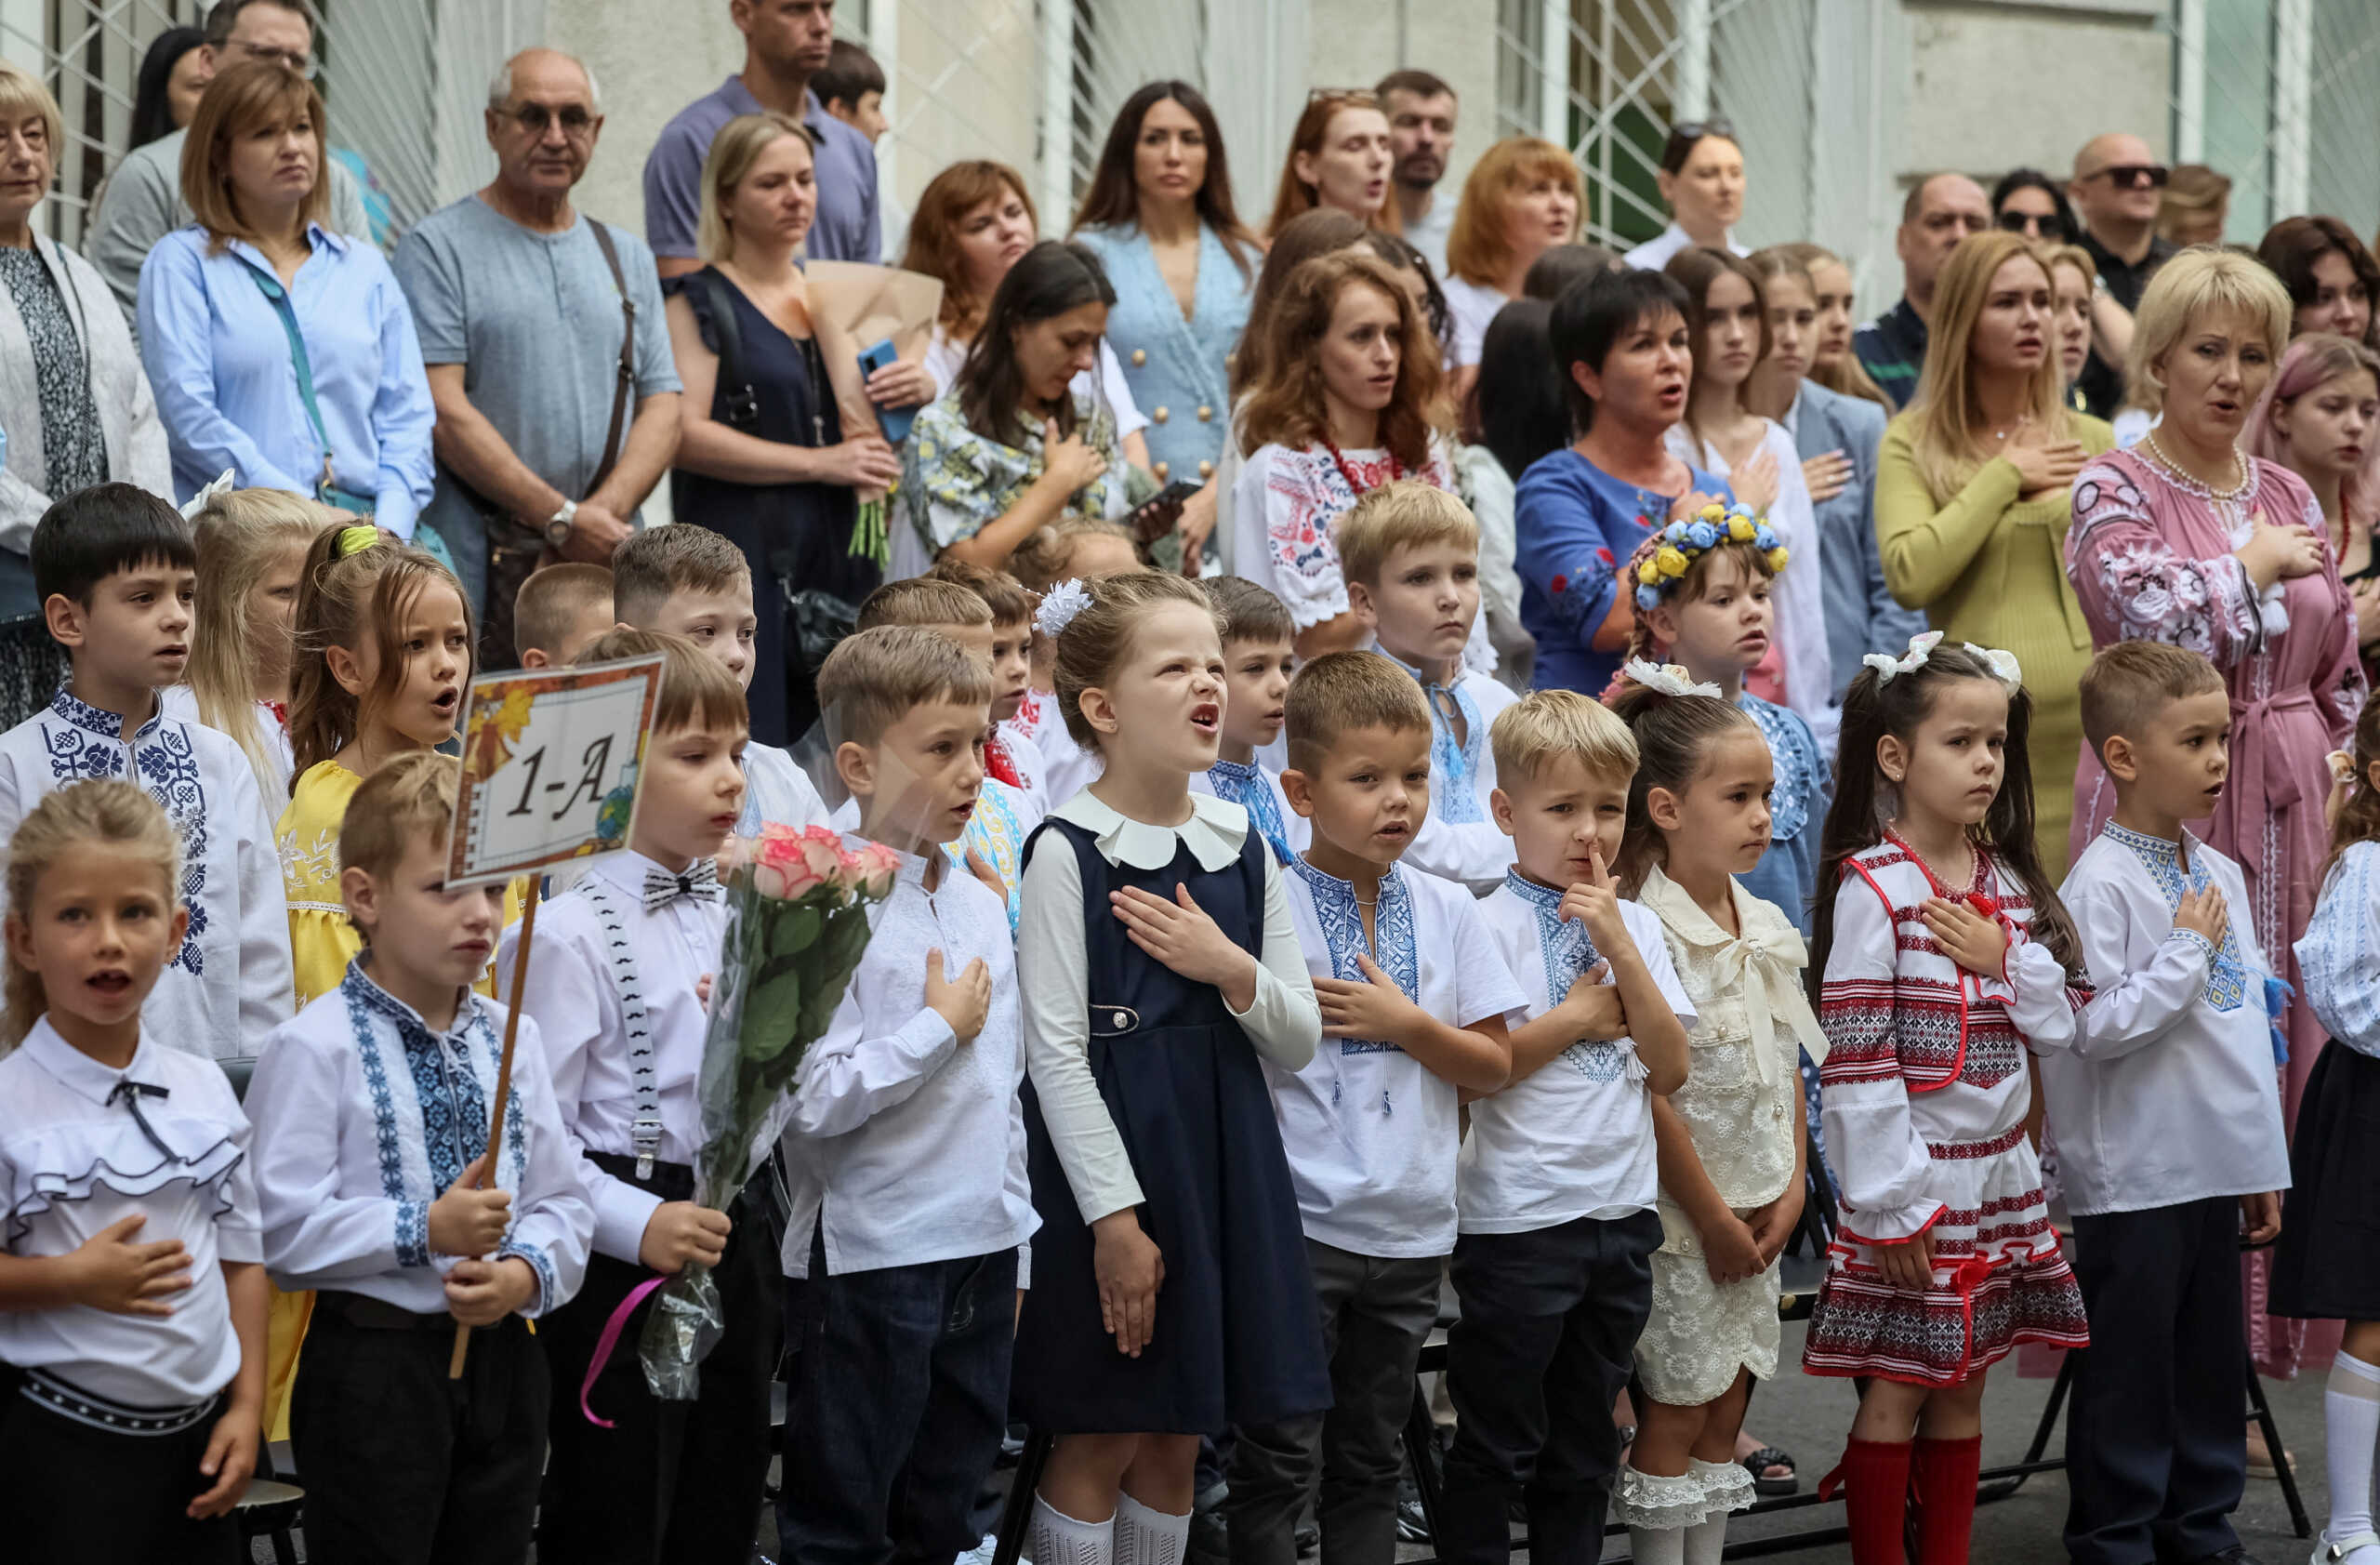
{"x": 652, "y": 60}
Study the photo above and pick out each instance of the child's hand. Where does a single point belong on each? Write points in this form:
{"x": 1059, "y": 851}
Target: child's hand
{"x": 1180, "y": 934}
{"x": 1592, "y": 1007}
{"x": 1909, "y": 1265}
{"x": 1731, "y": 1252}
{"x": 679, "y": 1231}
{"x": 981, "y": 869}
{"x": 1130, "y": 1269}
{"x": 466, "y": 1221}
{"x": 482, "y": 1292}
{"x": 2205, "y": 913}
{"x": 114, "y": 1274}
{"x": 2260, "y": 1217}
{"x": 1976, "y": 943}
{"x": 1376, "y": 1010}
{"x": 1773, "y": 1224}
{"x": 702, "y": 991}
{"x": 962, "y": 1002}
{"x": 231, "y": 1461}
{"x": 1594, "y": 902}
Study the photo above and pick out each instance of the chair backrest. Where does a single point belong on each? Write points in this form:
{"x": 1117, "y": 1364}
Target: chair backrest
{"x": 239, "y": 1070}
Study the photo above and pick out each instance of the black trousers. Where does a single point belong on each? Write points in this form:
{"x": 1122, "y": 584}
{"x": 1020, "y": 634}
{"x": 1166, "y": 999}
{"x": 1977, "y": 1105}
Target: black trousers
{"x": 2156, "y": 1444}
{"x": 403, "y": 1466}
{"x": 81, "y": 1495}
{"x": 672, "y": 1483}
{"x": 1546, "y": 1342}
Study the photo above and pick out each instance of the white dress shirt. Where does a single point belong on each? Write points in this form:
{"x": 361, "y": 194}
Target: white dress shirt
{"x": 358, "y": 1108}
{"x": 2334, "y": 955}
{"x": 777, "y": 791}
{"x": 1053, "y": 980}
{"x": 1470, "y": 308}
{"x": 229, "y": 984}
{"x": 1574, "y": 1138}
{"x": 1655, "y": 253}
{"x": 74, "y": 1161}
{"x": 906, "y": 1146}
{"x": 2169, "y": 1094}
{"x": 573, "y": 998}
{"x": 1371, "y": 1132}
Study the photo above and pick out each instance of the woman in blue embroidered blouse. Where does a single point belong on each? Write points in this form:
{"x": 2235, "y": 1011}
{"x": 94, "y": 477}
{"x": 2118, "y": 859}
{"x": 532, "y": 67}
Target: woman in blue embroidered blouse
{"x": 1621, "y": 341}
{"x": 278, "y": 349}
{"x": 1160, "y": 218}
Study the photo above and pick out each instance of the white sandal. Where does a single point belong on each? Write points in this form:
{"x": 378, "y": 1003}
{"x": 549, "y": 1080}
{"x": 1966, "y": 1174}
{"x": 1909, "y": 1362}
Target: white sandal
{"x": 2329, "y": 1553}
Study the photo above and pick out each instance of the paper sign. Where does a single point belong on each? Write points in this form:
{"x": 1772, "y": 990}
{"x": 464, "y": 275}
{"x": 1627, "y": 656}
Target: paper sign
{"x": 551, "y": 764}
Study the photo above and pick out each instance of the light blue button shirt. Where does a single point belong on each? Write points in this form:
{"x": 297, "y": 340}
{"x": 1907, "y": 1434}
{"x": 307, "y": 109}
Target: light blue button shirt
{"x": 227, "y": 387}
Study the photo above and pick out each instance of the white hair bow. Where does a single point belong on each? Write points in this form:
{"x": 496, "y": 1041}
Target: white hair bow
{"x": 1666, "y": 678}
{"x": 1888, "y": 668}
{"x": 2002, "y": 664}
{"x": 208, "y": 496}
{"x": 1058, "y": 606}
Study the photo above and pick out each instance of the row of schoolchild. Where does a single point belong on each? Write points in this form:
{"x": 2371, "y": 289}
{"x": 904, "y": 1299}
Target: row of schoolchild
{"x": 1143, "y": 1118}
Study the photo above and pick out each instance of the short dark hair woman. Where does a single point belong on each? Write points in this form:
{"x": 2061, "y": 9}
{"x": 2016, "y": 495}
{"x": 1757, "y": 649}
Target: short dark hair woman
{"x": 2331, "y": 279}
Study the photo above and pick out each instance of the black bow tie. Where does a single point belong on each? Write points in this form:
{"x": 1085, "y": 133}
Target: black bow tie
{"x": 132, "y": 1091}
{"x": 700, "y": 881}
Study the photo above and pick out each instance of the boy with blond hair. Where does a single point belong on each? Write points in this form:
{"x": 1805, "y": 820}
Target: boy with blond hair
{"x": 686, "y": 580}
{"x": 1559, "y": 1173}
{"x": 1410, "y": 555}
{"x": 1414, "y": 1000}
{"x": 558, "y": 611}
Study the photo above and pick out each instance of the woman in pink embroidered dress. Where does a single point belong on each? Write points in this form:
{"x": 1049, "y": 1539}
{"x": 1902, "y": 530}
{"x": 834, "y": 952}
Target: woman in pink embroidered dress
{"x": 2185, "y": 539}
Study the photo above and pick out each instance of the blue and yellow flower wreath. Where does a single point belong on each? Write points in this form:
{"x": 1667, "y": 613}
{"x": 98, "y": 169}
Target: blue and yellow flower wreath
{"x": 1675, "y": 549}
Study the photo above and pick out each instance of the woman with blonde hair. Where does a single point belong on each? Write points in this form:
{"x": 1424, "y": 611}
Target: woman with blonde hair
{"x": 251, "y": 551}
{"x": 764, "y": 459}
{"x": 2188, "y": 538}
{"x": 1973, "y": 493}
{"x": 279, "y": 349}
{"x": 72, "y": 397}
{"x": 1339, "y": 157}
{"x": 1522, "y": 199}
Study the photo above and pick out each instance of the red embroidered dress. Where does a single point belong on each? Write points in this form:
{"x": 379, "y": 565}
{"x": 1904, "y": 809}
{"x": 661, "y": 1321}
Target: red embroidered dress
{"x": 1924, "y": 1093}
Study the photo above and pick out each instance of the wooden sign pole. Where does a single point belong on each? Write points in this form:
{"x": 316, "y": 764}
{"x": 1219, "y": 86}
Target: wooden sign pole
{"x": 503, "y": 1084}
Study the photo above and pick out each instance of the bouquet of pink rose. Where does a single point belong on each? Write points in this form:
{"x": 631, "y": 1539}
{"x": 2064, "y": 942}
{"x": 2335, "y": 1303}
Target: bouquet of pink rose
{"x": 797, "y": 923}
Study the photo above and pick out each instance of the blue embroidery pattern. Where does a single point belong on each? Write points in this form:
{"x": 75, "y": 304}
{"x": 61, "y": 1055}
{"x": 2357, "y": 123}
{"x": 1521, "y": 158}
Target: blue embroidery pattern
{"x": 1244, "y": 784}
{"x": 2227, "y": 976}
{"x": 413, "y": 1216}
{"x": 168, "y": 765}
{"x": 1798, "y": 772}
{"x": 1453, "y": 793}
{"x": 994, "y": 831}
{"x": 1397, "y": 952}
{"x": 1566, "y": 953}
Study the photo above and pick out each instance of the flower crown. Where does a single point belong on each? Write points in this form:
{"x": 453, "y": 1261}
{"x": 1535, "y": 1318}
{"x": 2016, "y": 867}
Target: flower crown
{"x": 1671, "y": 552}
{"x": 1058, "y": 606}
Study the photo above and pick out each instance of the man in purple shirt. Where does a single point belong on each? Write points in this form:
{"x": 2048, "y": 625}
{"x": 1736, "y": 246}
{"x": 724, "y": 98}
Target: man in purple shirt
{"x": 786, "y": 42}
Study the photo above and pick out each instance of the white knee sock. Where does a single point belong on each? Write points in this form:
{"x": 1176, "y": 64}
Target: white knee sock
{"x": 1056, "y": 1538}
{"x": 2351, "y": 1430}
{"x": 1706, "y": 1540}
{"x": 1664, "y": 1545}
{"x": 1148, "y": 1537}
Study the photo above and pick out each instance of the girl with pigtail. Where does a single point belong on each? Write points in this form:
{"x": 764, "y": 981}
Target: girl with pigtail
{"x": 1946, "y": 956}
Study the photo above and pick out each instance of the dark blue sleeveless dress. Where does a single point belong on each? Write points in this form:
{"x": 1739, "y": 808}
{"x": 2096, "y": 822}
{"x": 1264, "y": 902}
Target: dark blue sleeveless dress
{"x": 1238, "y": 1340}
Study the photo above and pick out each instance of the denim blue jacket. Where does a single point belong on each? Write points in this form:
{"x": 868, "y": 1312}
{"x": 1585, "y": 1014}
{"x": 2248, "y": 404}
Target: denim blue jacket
{"x": 1177, "y": 368}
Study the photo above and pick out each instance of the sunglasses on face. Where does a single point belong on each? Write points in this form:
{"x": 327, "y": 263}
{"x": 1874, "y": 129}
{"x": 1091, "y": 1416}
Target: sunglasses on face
{"x": 534, "y": 118}
{"x": 2136, "y": 176}
{"x": 2032, "y": 225}
{"x": 1357, "y": 97}
{"x": 1695, "y": 130}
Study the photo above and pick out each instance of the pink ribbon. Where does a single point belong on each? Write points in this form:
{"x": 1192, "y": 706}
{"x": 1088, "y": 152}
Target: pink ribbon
{"x": 608, "y": 1341}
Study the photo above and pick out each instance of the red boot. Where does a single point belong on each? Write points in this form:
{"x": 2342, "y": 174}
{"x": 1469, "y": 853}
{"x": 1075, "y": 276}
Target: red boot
{"x": 1946, "y": 1479}
{"x": 1874, "y": 1475}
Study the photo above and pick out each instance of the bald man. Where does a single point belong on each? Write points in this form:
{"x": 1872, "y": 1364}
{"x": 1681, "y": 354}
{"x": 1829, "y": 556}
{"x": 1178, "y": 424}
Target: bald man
{"x": 518, "y": 298}
{"x": 2116, "y": 188}
{"x": 1940, "y": 213}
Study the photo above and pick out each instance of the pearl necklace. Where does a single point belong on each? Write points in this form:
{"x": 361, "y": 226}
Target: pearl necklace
{"x": 2189, "y": 485}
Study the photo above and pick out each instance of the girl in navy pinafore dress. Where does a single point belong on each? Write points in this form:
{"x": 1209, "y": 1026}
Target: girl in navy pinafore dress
{"x": 1170, "y": 1292}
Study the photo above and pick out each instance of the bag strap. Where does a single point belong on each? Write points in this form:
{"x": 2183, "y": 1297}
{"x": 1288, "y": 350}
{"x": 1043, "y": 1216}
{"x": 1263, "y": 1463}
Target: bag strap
{"x": 279, "y": 297}
{"x": 743, "y": 403}
{"x": 625, "y": 381}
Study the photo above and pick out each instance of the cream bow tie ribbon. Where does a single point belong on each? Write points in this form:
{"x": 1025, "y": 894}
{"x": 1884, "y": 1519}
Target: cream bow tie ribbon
{"x": 1768, "y": 965}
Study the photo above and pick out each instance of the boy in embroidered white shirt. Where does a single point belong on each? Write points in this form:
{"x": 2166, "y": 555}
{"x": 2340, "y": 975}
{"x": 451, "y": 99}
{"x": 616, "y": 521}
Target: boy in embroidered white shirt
{"x": 1259, "y": 654}
{"x": 1410, "y": 552}
{"x": 2167, "y": 1121}
{"x": 1414, "y": 998}
{"x": 377, "y": 1190}
{"x": 117, "y": 571}
{"x": 686, "y": 580}
{"x": 1554, "y": 1266}
{"x": 617, "y": 969}
{"x": 905, "y": 1152}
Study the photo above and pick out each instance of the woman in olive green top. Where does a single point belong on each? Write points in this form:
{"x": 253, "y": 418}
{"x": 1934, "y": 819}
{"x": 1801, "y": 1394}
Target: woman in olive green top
{"x": 1973, "y": 497}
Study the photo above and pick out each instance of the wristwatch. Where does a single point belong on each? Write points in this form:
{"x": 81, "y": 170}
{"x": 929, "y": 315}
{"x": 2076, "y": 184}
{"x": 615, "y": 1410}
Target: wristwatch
{"x": 558, "y": 525}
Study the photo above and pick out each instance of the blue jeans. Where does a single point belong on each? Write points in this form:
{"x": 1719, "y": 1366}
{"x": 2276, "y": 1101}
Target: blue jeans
{"x": 895, "y": 1409}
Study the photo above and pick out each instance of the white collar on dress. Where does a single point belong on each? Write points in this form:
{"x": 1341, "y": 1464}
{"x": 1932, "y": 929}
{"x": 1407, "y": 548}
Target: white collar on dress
{"x": 1763, "y": 923}
{"x": 1214, "y": 833}
{"x": 79, "y": 1071}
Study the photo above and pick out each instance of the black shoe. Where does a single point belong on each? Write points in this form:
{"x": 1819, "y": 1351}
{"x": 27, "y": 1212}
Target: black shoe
{"x": 1309, "y": 1538}
{"x": 1412, "y": 1526}
{"x": 2235, "y": 1554}
{"x": 1210, "y": 1535}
